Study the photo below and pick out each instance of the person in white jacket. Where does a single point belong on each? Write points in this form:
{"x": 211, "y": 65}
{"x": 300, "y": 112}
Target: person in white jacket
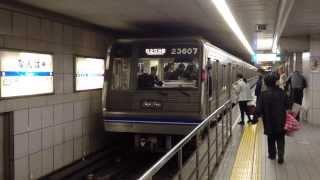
{"x": 242, "y": 88}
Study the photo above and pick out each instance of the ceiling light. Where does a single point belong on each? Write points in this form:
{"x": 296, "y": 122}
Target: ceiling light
{"x": 264, "y": 43}
{"x": 225, "y": 12}
{"x": 267, "y": 58}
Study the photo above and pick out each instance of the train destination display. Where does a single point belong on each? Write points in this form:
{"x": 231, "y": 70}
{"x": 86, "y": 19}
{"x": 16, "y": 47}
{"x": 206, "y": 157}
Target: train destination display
{"x": 89, "y": 73}
{"x": 25, "y": 73}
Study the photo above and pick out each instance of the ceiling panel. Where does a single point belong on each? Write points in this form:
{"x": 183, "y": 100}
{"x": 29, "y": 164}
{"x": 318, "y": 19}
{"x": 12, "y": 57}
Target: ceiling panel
{"x": 304, "y": 18}
{"x": 170, "y": 17}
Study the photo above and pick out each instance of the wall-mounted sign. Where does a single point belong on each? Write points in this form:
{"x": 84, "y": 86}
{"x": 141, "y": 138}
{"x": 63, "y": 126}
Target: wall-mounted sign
{"x": 314, "y": 63}
{"x": 89, "y": 73}
{"x": 25, "y": 73}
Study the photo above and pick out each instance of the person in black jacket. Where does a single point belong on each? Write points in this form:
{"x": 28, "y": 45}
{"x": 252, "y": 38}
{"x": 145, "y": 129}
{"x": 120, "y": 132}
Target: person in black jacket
{"x": 272, "y": 106}
{"x": 257, "y": 91}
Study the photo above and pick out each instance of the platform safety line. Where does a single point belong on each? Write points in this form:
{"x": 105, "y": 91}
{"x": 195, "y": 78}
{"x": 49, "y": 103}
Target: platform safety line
{"x": 247, "y": 163}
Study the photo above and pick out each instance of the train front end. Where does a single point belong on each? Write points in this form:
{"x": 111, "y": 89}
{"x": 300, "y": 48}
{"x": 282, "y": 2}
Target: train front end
{"x": 153, "y": 87}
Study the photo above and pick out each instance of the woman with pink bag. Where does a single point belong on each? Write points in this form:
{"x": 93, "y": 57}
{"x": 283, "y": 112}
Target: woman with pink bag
{"x": 272, "y": 106}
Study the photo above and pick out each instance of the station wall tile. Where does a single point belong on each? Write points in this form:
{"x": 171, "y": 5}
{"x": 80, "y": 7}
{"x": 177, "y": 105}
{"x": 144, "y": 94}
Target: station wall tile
{"x": 58, "y": 63}
{"x": 5, "y": 22}
{"x": 58, "y": 83}
{"x": 47, "y": 160}
{"x": 17, "y": 104}
{"x": 77, "y": 128}
{"x": 68, "y": 83}
{"x": 46, "y": 30}
{"x": 57, "y": 32}
{"x": 33, "y": 27}
{"x": 47, "y": 137}
{"x": 58, "y": 156}
{"x": 21, "y": 145}
{"x": 58, "y": 134}
{"x": 68, "y": 131}
{"x": 35, "y": 164}
{"x": 14, "y": 42}
{"x": 68, "y": 152}
{"x": 36, "y": 45}
{"x": 81, "y": 109}
{"x": 37, "y": 101}
{"x": 68, "y": 64}
{"x": 58, "y": 114}
{"x": 35, "y": 121}
{"x": 47, "y": 116}
{"x": 21, "y": 167}
{"x": 68, "y": 112}
{"x": 35, "y": 141}
{"x": 78, "y": 148}
{"x": 67, "y": 34}
{"x": 19, "y": 24}
{"x": 21, "y": 122}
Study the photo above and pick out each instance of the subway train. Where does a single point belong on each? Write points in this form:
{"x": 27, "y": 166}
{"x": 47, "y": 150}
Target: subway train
{"x": 166, "y": 86}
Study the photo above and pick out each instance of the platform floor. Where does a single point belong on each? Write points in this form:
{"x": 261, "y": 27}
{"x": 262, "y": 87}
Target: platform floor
{"x": 302, "y": 157}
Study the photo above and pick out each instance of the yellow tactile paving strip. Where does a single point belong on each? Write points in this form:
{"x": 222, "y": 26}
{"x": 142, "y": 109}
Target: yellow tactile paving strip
{"x": 247, "y": 165}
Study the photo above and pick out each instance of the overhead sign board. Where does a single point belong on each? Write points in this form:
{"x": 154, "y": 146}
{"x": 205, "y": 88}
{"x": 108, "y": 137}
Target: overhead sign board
{"x": 89, "y": 73}
{"x": 25, "y": 73}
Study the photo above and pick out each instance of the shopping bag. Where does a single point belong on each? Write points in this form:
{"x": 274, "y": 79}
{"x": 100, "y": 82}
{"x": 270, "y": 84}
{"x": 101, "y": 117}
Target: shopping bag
{"x": 291, "y": 124}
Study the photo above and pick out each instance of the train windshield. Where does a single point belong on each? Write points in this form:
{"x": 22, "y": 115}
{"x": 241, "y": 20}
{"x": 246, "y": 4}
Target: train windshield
{"x": 156, "y": 73}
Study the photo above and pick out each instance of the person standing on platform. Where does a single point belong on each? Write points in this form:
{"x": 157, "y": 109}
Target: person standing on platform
{"x": 244, "y": 93}
{"x": 272, "y": 106}
{"x": 297, "y": 83}
{"x": 259, "y": 83}
{"x": 283, "y": 78}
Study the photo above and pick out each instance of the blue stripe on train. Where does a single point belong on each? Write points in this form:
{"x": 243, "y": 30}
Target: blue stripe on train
{"x": 173, "y": 121}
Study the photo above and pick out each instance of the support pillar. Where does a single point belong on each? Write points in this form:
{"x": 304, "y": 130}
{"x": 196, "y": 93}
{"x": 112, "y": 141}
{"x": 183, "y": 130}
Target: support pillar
{"x": 297, "y": 66}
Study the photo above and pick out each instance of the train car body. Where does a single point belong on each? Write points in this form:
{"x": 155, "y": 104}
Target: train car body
{"x": 166, "y": 86}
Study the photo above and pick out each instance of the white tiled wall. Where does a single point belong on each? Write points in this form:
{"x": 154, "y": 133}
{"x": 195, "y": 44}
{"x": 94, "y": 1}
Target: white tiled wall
{"x": 55, "y": 130}
{"x": 314, "y": 84}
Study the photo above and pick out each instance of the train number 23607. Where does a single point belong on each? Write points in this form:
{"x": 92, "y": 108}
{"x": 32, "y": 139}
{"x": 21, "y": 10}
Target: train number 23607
{"x": 184, "y": 51}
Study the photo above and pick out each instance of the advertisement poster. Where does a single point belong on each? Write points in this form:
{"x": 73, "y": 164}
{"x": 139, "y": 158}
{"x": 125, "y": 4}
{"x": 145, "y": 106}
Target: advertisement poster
{"x": 25, "y": 73}
{"x": 314, "y": 63}
{"x": 89, "y": 73}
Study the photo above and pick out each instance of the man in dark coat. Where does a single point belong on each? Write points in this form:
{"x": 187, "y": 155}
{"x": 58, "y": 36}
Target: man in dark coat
{"x": 272, "y": 106}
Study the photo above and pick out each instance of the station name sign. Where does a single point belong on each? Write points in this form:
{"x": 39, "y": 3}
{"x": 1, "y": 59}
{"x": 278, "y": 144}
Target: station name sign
{"x": 89, "y": 73}
{"x": 25, "y": 73}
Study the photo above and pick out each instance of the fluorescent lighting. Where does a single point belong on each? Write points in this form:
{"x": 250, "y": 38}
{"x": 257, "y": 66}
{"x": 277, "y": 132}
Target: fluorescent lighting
{"x": 225, "y": 12}
{"x": 267, "y": 57}
{"x": 264, "y": 43}
{"x": 306, "y": 56}
{"x": 275, "y": 44}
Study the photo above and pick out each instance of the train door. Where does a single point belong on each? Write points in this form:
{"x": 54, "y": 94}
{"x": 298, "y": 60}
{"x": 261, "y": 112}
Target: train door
{"x": 216, "y": 83}
{"x": 220, "y": 84}
{"x": 210, "y": 86}
{"x": 229, "y": 80}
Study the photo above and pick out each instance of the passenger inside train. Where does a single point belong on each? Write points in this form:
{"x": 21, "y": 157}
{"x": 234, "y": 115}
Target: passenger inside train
{"x": 151, "y": 80}
{"x": 167, "y": 73}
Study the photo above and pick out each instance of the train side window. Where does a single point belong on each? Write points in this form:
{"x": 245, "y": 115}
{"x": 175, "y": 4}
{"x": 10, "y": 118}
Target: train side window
{"x": 120, "y": 74}
{"x": 155, "y": 73}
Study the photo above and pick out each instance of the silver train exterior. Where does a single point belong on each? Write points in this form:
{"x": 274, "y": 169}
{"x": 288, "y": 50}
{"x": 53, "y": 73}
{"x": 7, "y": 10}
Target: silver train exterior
{"x": 176, "y": 105}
